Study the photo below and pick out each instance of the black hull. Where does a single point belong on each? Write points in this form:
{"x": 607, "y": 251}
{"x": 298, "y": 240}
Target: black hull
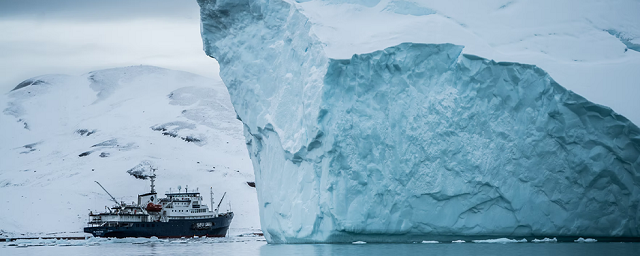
{"x": 172, "y": 229}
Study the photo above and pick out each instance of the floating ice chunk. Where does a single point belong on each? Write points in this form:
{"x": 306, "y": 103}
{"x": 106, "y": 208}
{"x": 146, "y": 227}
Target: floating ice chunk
{"x": 500, "y": 241}
{"x": 359, "y": 242}
{"x": 458, "y": 241}
{"x": 545, "y": 240}
{"x": 588, "y": 240}
{"x": 430, "y": 242}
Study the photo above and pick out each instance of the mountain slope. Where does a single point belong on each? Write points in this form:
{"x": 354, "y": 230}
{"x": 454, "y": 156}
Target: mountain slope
{"x": 60, "y": 133}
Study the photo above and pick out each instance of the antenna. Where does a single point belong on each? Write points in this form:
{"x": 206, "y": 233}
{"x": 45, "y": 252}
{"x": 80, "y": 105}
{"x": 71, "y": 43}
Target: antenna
{"x": 186, "y": 187}
{"x": 179, "y": 188}
{"x": 105, "y": 190}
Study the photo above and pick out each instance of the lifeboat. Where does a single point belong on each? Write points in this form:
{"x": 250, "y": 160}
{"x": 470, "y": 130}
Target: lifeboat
{"x": 151, "y": 207}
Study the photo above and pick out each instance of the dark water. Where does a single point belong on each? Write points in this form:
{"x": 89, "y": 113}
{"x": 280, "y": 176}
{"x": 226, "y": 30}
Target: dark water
{"x": 455, "y": 249}
{"x": 252, "y": 247}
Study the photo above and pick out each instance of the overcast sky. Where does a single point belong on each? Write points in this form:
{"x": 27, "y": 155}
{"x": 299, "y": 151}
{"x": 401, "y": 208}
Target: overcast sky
{"x": 77, "y": 36}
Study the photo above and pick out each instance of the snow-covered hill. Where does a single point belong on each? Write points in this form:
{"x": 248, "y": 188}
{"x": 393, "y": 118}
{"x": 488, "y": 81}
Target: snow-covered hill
{"x": 61, "y": 133}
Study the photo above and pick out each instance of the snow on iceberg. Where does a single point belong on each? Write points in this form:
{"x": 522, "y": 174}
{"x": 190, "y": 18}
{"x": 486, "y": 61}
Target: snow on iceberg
{"x": 415, "y": 140}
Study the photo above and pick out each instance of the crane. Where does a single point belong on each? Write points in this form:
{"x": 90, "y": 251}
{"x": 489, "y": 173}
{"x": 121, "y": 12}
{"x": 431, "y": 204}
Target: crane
{"x": 217, "y": 208}
{"x": 105, "y": 190}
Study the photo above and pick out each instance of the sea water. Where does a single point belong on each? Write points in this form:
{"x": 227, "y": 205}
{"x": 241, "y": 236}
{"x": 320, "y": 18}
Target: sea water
{"x": 258, "y": 246}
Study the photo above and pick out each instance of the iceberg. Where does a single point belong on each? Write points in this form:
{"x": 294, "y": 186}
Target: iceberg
{"x": 415, "y": 141}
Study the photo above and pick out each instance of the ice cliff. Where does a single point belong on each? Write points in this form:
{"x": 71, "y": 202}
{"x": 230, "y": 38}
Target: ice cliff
{"x": 415, "y": 140}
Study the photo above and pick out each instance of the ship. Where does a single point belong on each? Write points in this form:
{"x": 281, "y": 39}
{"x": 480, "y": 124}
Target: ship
{"x": 177, "y": 215}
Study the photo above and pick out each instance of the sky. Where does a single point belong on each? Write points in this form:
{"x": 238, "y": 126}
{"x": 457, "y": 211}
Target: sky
{"x": 78, "y": 36}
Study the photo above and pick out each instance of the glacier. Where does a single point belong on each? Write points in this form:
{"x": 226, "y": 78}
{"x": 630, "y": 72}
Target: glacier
{"x": 415, "y": 141}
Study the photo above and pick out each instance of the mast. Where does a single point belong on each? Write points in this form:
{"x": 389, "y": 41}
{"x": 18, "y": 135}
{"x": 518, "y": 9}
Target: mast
{"x": 211, "y": 197}
{"x": 105, "y": 190}
{"x": 153, "y": 178}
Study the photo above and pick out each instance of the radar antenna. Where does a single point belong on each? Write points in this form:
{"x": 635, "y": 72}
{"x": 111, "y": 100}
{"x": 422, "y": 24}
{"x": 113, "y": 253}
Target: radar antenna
{"x": 105, "y": 190}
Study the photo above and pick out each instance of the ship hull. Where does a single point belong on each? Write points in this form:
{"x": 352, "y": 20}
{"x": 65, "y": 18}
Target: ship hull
{"x": 209, "y": 227}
